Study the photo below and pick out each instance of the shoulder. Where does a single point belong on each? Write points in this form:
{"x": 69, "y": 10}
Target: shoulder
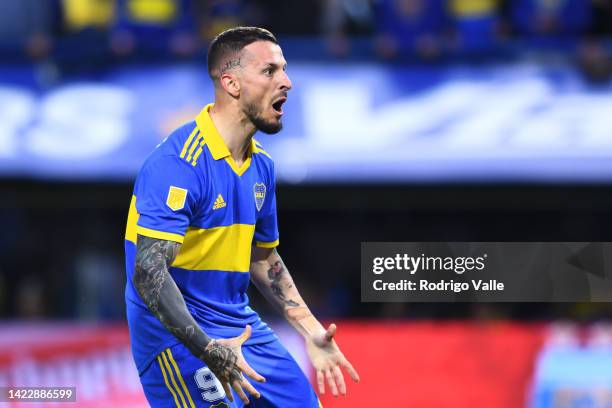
{"x": 262, "y": 155}
{"x": 170, "y": 151}
{"x": 172, "y": 144}
{"x": 264, "y": 162}
{"x": 179, "y": 141}
{"x": 167, "y": 161}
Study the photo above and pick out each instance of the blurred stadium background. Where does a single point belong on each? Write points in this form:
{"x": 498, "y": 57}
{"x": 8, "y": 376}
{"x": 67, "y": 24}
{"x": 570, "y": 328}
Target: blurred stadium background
{"x": 410, "y": 120}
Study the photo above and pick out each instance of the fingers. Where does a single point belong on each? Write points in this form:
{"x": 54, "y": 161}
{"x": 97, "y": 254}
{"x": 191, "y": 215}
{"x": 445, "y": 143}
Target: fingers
{"x": 331, "y": 382}
{"x": 335, "y": 379}
{"x": 246, "y": 369}
{"x": 349, "y": 368}
{"x": 339, "y": 378}
{"x": 321, "y": 382}
{"x": 236, "y": 386}
{"x": 250, "y": 389}
{"x": 330, "y": 332}
{"x": 227, "y": 390}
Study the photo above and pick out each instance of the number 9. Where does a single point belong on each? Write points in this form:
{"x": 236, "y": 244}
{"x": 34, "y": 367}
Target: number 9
{"x": 207, "y": 382}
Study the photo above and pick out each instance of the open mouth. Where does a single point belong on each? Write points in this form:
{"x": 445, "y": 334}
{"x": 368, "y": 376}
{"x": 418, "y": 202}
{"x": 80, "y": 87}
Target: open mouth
{"x": 278, "y": 105}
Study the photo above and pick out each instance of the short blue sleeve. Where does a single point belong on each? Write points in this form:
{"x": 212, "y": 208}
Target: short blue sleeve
{"x": 266, "y": 228}
{"x": 167, "y": 198}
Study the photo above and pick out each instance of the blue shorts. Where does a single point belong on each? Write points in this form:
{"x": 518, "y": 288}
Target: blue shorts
{"x": 177, "y": 379}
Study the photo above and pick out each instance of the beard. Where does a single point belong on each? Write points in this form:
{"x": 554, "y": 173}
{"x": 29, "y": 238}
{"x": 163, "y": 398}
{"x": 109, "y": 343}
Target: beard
{"x": 267, "y": 126}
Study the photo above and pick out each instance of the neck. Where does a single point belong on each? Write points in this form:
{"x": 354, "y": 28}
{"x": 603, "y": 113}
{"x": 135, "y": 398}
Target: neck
{"x": 235, "y": 129}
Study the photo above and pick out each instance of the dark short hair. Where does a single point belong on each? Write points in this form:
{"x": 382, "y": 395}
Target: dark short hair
{"x": 231, "y": 42}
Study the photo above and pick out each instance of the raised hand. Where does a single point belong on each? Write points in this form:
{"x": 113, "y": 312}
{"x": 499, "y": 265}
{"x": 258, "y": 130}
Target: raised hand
{"x": 225, "y": 360}
{"x": 327, "y": 359}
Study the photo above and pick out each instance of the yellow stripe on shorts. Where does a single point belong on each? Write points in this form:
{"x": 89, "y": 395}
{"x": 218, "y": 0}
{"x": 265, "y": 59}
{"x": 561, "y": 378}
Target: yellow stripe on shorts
{"x": 178, "y": 391}
{"x": 180, "y": 377}
{"x": 161, "y": 366}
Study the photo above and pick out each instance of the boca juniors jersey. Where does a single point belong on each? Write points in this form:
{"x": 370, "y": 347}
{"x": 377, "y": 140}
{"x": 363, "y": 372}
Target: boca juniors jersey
{"x": 191, "y": 191}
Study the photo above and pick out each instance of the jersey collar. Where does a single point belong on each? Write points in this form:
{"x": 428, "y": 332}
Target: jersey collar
{"x": 213, "y": 139}
{"x": 217, "y": 146}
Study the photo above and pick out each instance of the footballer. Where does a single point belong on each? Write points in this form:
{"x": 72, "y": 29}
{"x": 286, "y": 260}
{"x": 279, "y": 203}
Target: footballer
{"x": 202, "y": 225}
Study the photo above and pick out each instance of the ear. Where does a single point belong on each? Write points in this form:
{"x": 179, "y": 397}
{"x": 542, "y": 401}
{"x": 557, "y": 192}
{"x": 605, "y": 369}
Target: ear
{"x": 230, "y": 84}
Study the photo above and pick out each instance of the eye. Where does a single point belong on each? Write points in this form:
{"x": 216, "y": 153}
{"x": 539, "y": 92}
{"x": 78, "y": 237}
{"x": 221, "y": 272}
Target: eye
{"x": 268, "y": 71}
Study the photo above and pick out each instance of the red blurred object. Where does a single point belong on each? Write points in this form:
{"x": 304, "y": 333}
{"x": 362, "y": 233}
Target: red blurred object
{"x": 438, "y": 365}
{"x": 95, "y": 359}
{"x": 424, "y": 365}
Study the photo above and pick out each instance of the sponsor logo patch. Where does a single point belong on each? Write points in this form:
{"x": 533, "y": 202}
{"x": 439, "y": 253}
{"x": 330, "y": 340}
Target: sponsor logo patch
{"x": 176, "y": 198}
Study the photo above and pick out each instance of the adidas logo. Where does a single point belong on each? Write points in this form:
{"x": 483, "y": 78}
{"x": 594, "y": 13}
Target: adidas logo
{"x": 219, "y": 202}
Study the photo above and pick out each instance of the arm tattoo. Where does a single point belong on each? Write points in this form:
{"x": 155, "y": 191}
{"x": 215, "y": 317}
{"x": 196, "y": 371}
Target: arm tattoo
{"x": 277, "y": 274}
{"x": 165, "y": 301}
{"x": 158, "y": 290}
{"x": 230, "y": 65}
{"x": 152, "y": 258}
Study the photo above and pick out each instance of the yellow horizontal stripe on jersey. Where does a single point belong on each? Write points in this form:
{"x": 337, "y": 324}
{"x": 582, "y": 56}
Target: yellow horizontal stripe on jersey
{"x": 151, "y": 233}
{"x": 130, "y": 228}
{"x": 220, "y": 248}
{"x": 262, "y": 244}
{"x": 188, "y": 142}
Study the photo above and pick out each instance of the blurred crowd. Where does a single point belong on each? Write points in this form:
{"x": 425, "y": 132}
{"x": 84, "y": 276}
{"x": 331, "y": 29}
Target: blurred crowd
{"x": 75, "y": 30}
{"x": 75, "y": 34}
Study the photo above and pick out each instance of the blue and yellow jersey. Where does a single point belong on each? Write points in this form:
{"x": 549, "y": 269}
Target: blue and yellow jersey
{"x": 191, "y": 191}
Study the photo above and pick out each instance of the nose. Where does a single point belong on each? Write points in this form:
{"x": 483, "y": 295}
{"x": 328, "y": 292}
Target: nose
{"x": 285, "y": 81}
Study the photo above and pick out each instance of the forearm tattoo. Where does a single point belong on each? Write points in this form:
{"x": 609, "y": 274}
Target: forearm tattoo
{"x": 158, "y": 290}
{"x": 278, "y": 278}
{"x": 222, "y": 361}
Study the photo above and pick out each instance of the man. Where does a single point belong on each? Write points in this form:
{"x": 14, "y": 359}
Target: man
{"x": 201, "y": 223}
